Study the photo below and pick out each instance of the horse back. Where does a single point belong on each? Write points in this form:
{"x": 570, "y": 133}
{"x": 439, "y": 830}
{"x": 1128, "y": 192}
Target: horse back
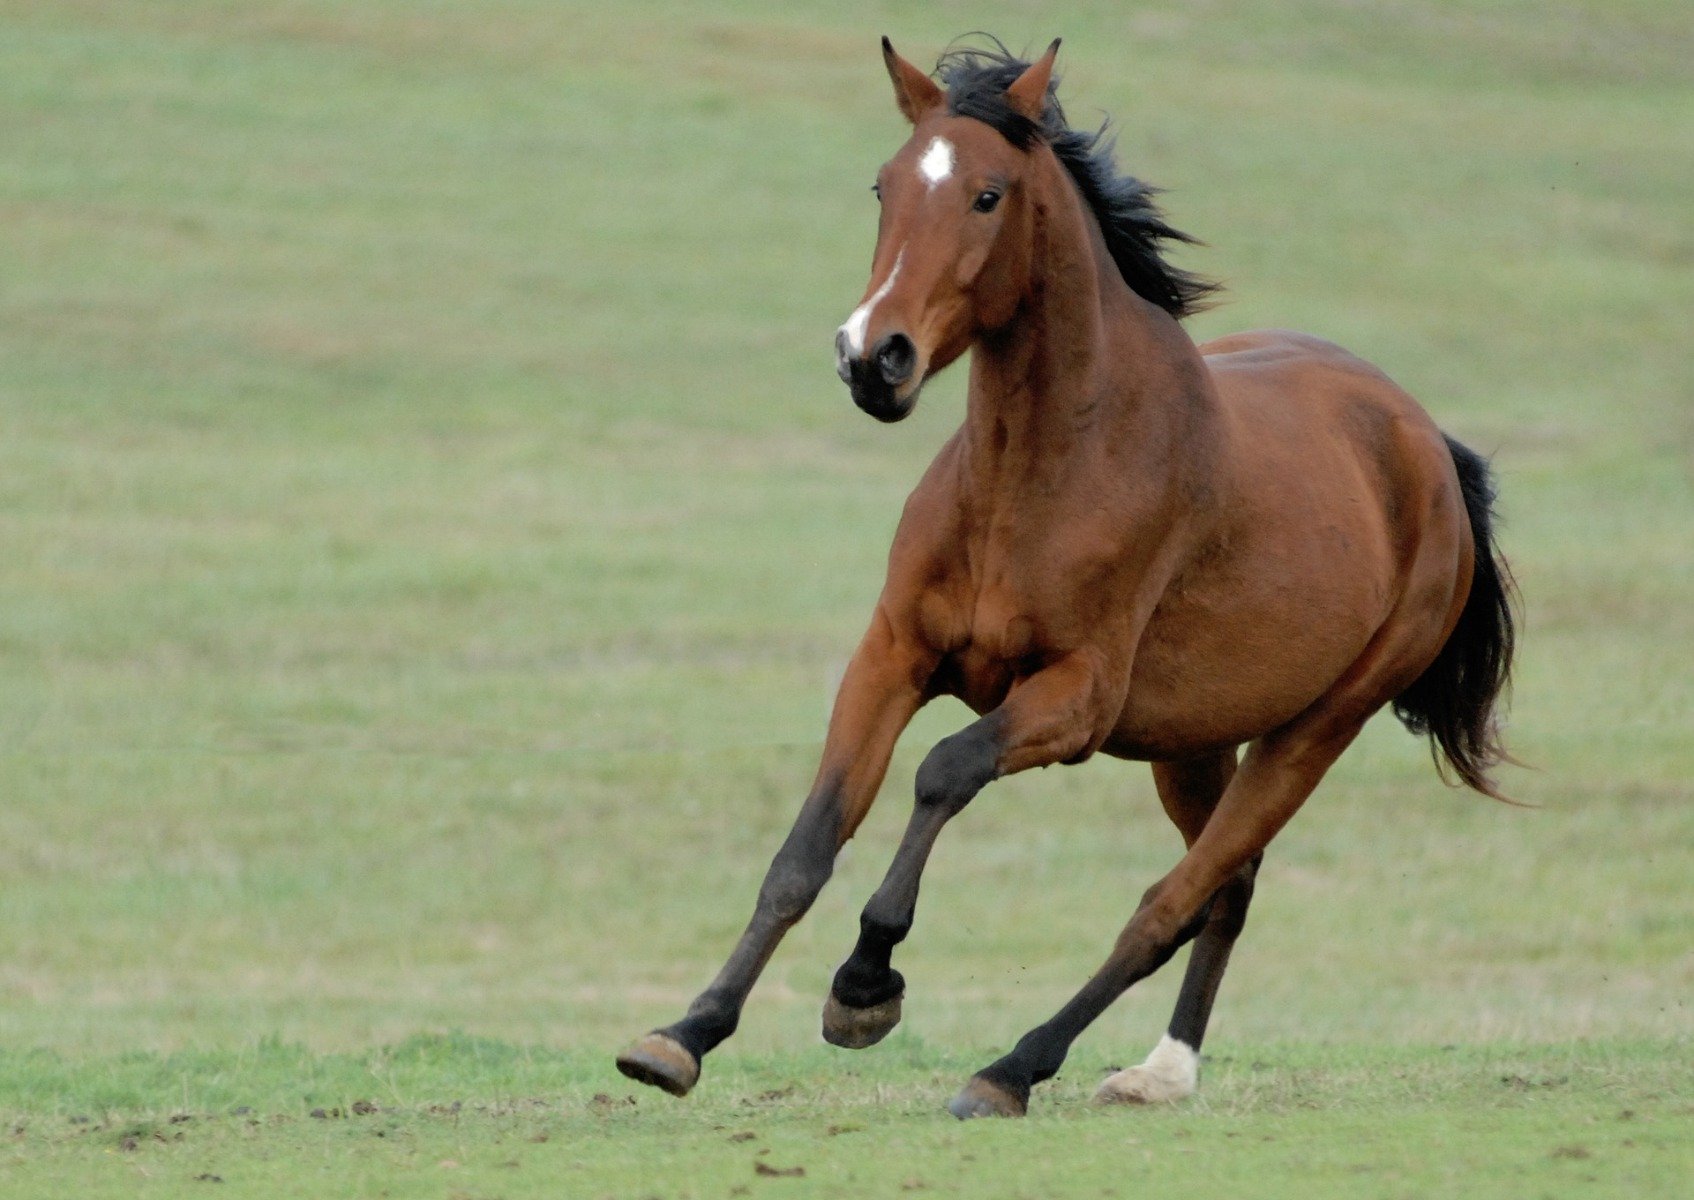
{"x": 1310, "y": 425}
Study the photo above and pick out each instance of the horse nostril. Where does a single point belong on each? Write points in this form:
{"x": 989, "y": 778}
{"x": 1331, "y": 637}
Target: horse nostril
{"x": 843, "y": 367}
{"x": 895, "y": 357}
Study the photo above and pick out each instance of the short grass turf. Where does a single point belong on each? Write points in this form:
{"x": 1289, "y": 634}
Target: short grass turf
{"x": 430, "y": 531}
{"x": 458, "y": 1117}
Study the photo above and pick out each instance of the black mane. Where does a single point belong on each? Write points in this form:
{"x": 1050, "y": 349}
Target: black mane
{"x": 976, "y": 81}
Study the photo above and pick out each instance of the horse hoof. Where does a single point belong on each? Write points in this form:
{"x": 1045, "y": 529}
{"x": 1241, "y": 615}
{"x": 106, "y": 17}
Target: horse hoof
{"x": 856, "y": 1028}
{"x": 1171, "y": 1073}
{"x": 1138, "y": 1085}
{"x": 659, "y": 1059}
{"x": 981, "y": 1098}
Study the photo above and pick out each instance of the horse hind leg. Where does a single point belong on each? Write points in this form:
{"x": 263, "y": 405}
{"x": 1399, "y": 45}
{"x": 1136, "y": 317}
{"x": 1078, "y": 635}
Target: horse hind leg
{"x": 1172, "y": 1070}
{"x": 1278, "y": 773}
{"x": 1189, "y": 792}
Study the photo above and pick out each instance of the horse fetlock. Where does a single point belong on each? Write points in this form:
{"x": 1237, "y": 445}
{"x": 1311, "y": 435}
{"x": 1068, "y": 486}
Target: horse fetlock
{"x": 861, "y": 984}
{"x": 884, "y": 924}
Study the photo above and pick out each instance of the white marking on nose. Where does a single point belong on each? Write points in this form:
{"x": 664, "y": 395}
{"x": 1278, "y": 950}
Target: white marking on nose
{"x": 937, "y": 161}
{"x": 861, "y": 318}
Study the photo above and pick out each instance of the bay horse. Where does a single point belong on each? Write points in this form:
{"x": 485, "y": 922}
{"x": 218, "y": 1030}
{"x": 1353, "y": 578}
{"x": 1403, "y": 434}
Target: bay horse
{"x": 1132, "y": 546}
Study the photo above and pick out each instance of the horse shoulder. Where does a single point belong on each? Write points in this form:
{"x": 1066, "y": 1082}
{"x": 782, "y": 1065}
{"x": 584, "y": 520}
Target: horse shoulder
{"x": 923, "y": 592}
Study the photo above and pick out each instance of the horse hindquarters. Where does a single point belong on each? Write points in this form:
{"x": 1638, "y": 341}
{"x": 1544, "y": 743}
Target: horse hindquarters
{"x": 1453, "y": 702}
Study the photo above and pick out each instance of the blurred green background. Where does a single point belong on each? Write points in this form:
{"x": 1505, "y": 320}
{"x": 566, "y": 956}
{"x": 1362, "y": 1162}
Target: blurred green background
{"x": 430, "y": 527}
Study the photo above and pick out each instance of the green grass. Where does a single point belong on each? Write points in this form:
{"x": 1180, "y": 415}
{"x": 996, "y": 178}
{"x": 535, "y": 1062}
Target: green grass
{"x": 430, "y": 530}
{"x": 281, "y": 1121}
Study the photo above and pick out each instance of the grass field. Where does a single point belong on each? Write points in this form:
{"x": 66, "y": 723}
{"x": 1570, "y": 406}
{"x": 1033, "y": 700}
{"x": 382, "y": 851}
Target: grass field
{"x": 430, "y": 528}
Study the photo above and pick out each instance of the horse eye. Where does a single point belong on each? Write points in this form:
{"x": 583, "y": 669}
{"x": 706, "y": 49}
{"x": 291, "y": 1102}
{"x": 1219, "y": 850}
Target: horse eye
{"x": 985, "y": 201}
{"x": 876, "y": 190}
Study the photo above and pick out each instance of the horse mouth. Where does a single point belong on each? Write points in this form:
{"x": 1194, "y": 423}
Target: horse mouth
{"x": 887, "y": 409}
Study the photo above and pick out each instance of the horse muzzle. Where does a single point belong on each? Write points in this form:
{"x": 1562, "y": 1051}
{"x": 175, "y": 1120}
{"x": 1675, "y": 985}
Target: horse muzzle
{"x": 886, "y": 381}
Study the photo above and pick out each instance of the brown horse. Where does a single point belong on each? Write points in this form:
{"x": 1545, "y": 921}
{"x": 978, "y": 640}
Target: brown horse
{"x": 1132, "y": 546}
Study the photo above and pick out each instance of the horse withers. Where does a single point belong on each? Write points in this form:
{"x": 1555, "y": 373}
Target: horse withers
{"x": 1132, "y": 546}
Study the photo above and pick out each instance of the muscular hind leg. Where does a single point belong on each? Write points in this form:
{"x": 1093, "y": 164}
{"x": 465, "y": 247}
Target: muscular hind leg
{"x": 1279, "y": 772}
{"x": 1189, "y": 792}
{"x": 1172, "y": 1070}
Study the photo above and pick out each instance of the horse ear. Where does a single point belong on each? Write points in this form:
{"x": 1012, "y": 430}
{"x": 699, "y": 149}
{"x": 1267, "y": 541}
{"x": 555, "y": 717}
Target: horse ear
{"x": 1028, "y": 93}
{"x": 915, "y": 92}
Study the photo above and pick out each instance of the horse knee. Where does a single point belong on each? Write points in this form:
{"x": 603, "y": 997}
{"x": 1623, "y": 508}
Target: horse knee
{"x": 957, "y": 769}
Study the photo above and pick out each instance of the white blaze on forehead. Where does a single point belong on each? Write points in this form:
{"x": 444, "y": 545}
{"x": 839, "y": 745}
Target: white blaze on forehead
{"x": 861, "y": 318}
{"x": 937, "y": 161}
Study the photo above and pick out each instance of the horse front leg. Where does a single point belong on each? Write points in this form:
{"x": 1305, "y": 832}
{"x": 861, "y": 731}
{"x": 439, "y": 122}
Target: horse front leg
{"x": 882, "y": 689}
{"x": 1052, "y": 716}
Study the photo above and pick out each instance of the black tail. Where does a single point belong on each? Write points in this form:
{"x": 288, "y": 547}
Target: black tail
{"x": 1453, "y": 702}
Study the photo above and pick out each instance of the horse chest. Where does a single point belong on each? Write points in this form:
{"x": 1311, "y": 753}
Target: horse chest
{"x": 986, "y": 641}
{"x": 999, "y": 635}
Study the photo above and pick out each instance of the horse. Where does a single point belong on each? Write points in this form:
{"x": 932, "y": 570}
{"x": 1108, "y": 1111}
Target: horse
{"x": 1132, "y": 546}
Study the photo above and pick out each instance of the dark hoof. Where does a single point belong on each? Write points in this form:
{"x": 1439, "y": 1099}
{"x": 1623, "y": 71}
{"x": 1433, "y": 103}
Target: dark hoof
{"x": 856, "y": 1028}
{"x": 660, "y": 1060}
{"x": 981, "y": 1098}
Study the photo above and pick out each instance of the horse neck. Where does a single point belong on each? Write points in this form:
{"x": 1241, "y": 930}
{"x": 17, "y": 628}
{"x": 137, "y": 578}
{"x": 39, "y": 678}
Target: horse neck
{"x": 1085, "y": 366}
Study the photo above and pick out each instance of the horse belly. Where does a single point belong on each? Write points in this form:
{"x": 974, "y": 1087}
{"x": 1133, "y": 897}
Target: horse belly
{"x": 1223, "y": 664}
